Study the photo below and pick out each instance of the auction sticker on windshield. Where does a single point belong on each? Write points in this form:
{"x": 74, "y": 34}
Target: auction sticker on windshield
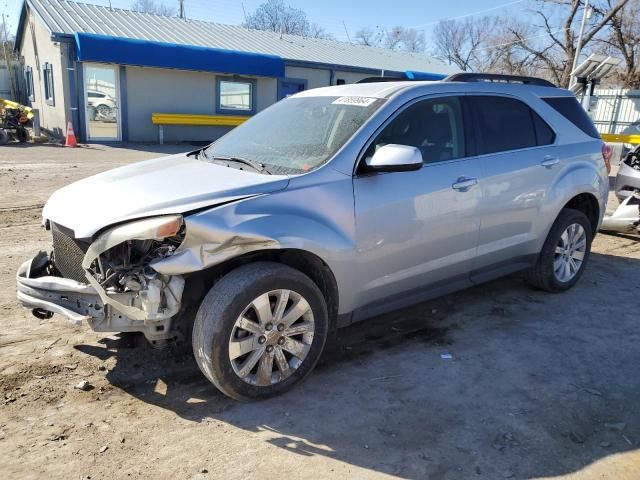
{"x": 356, "y": 101}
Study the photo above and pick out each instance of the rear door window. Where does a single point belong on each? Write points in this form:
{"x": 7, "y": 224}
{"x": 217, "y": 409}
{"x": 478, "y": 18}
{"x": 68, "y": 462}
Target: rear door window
{"x": 544, "y": 134}
{"x": 570, "y": 109}
{"x": 504, "y": 124}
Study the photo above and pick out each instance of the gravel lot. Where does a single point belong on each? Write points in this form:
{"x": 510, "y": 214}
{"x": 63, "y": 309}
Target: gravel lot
{"x": 537, "y": 386}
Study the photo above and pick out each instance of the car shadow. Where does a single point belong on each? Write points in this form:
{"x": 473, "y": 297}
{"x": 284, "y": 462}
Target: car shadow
{"x": 499, "y": 380}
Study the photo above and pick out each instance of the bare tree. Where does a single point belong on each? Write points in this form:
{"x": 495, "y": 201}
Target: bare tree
{"x": 369, "y": 36}
{"x": 463, "y": 42}
{"x": 318, "y": 31}
{"x": 396, "y": 38}
{"x": 555, "y": 52}
{"x": 277, "y": 16}
{"x": 150, "y": 6}
{"x": 409, "y": 39}
{"x": 623, "y": 40}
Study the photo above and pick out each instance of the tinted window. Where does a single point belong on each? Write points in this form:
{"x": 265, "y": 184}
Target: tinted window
{"x": 435, "y": 127}
{"x": 569, "y": 108}
{"x": 544, "y": 134}
{"x": 502, "y": 124}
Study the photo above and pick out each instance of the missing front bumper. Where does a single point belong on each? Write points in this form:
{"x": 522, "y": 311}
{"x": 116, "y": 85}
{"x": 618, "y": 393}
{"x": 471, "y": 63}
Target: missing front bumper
{"x": 42, "y": 292}
{"x": 45, "y": 294}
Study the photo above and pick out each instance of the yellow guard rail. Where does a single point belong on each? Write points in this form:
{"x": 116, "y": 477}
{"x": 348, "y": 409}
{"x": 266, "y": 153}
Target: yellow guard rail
{"x": 619, "y": 138}
{"x": 162, "y": 119}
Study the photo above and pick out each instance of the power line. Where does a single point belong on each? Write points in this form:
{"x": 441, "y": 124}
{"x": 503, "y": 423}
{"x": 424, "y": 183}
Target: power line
{"x": 479, "y": 12}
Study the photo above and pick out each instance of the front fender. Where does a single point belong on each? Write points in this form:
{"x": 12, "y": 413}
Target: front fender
{"x": 317, "y": 218}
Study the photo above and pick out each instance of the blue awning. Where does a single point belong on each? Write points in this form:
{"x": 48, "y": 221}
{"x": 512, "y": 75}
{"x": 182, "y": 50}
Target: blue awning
{"x": 423, "y": 75}
{"x": 128, "y": 51}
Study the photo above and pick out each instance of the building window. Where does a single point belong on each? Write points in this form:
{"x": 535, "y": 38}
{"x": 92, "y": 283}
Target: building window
{"x": 28, "y": 78}
{"x": 49, "y": 93}
{"x": 236, "y": 96}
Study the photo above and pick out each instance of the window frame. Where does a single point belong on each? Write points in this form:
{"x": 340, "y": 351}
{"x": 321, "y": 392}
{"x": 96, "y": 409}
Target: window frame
{"x": 469, "y": 140}
{"x": 253, "y": 93}
{"x": 476, "y": 131}
{"x": 48, "y": 81}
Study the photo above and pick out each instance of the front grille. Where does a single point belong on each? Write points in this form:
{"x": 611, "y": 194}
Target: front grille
{"x": 67, "y": 255}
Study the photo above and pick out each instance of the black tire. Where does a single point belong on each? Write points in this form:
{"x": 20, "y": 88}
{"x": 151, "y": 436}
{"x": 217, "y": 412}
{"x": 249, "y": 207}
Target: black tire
{"x": 4, "y": 137}
{"x": 541, "y": 275}
{"x": 22, "y": 135}
{"x": 227, "y": 300}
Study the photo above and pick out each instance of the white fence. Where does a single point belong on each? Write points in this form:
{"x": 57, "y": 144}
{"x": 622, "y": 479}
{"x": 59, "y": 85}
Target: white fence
{"x": 616, "y": 110}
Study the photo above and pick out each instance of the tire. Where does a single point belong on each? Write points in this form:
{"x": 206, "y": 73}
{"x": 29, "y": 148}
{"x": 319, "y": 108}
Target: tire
{"x": 236, "y": 295}
{"x": 22, "y": 135}
{"x": 544, "y": 274}
{"x": 104, "y": 112}
{"x": 4, "y": 137}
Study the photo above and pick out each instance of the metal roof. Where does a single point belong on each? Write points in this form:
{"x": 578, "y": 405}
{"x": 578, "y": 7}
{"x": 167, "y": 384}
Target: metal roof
{"x": 67, "y": 17}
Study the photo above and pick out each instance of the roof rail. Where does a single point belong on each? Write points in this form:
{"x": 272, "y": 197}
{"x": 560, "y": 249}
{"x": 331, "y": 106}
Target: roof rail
{"x": 381, "y": 79}
{"x": 497, "y": 77}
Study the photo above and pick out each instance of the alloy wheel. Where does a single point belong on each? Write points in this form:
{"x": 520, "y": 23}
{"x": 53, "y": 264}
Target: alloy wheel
{"x": 271, "y": 338}
{"x": 570, "y": 252}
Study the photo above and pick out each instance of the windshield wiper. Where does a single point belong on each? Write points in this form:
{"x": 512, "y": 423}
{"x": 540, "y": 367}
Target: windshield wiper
{"x": 259, "y": 167}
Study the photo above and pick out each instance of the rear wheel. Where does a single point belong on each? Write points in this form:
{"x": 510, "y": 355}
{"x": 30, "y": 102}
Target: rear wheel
{"x": 260, "y": 330}
{"x": 565, "y": 253}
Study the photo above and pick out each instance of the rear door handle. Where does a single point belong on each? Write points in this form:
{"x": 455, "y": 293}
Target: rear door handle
{"x": 463, "y": 184}
{"x": 549, "y": 162}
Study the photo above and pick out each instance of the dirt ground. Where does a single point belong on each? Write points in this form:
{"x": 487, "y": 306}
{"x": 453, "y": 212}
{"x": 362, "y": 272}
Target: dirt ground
{"x": 537, "y": 386}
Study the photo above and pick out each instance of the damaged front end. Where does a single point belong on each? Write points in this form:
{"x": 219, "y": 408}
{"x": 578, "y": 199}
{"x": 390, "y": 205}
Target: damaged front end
{"x": 120, "y": 291}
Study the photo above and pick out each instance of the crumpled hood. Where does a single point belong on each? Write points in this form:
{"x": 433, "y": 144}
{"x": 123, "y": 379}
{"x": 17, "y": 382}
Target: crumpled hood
{"x": 174, "y": 184}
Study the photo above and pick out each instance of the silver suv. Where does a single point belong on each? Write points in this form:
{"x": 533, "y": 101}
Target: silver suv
{"x": 329, "y": 207}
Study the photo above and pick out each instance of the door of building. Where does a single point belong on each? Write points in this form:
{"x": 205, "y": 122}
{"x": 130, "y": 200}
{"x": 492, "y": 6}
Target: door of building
{"x": 102, "y": 102}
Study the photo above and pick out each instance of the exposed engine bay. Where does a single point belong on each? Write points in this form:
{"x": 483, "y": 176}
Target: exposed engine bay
{"x": 109, "y": 282}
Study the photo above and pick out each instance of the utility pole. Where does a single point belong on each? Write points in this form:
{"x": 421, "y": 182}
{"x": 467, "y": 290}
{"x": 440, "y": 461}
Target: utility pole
{"x": 585, "y": 16}
{"x": 7, "y": 57}
{"x": 181, "y": 9}
{"x": 346, "y": 31}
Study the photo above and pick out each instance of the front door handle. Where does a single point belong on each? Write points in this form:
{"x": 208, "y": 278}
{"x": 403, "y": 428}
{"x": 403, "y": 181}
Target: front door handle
{"x": 463, "y": 184}
{"x": 549, "y": 161}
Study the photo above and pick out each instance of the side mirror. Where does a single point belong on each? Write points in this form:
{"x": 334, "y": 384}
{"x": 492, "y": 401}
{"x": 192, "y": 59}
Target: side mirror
{"x": 395, "y": 158}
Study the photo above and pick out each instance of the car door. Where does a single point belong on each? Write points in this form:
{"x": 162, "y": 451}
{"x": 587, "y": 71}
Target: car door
{"x": 517, "y": 162}
{"x": 419, "y": 228}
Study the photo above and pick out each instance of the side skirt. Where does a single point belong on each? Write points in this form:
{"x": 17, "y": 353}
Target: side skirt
{"x": 429, "y": 292}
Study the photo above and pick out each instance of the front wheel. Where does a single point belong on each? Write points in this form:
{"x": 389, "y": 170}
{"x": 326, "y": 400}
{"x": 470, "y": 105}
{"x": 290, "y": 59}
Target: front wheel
{"x": 565, "y": 253}
{"x": 260, "y": 330}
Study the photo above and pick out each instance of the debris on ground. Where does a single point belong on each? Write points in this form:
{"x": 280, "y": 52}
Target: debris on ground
{"x": 84, "y": 385}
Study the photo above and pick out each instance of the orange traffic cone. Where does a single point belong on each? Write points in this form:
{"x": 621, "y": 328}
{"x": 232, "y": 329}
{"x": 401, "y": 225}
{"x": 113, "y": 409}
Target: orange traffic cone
{"x": 71, "y": 137}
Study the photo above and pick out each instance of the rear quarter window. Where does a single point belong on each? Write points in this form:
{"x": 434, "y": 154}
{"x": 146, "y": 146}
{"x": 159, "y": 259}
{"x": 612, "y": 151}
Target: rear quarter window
{"x": 570, "y": 109}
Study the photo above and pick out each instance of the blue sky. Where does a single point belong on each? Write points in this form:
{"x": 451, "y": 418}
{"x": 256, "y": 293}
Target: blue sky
{"x": 331, "y": 14}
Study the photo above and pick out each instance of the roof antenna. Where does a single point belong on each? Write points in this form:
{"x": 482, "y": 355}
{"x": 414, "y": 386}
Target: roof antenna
{"x": 181, "y": 13}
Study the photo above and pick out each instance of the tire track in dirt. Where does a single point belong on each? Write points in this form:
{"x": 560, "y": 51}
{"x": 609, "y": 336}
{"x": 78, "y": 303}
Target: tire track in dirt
{"x": 19, "y": 216}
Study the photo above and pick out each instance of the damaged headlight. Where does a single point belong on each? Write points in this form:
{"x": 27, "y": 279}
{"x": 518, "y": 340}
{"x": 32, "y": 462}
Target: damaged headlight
{"x": 119, "y": 266}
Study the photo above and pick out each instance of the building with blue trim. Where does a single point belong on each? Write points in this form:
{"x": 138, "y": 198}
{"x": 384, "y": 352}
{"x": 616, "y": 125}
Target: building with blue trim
{"x": 107, "y": 70}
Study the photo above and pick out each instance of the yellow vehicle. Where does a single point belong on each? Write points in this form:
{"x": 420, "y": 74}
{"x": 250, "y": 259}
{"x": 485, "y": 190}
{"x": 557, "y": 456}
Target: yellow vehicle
{"x": 14, "y": 120}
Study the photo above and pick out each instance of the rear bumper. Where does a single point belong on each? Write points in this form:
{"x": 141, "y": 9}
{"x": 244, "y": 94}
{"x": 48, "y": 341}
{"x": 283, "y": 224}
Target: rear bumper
{"x": 45, "y": 293}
